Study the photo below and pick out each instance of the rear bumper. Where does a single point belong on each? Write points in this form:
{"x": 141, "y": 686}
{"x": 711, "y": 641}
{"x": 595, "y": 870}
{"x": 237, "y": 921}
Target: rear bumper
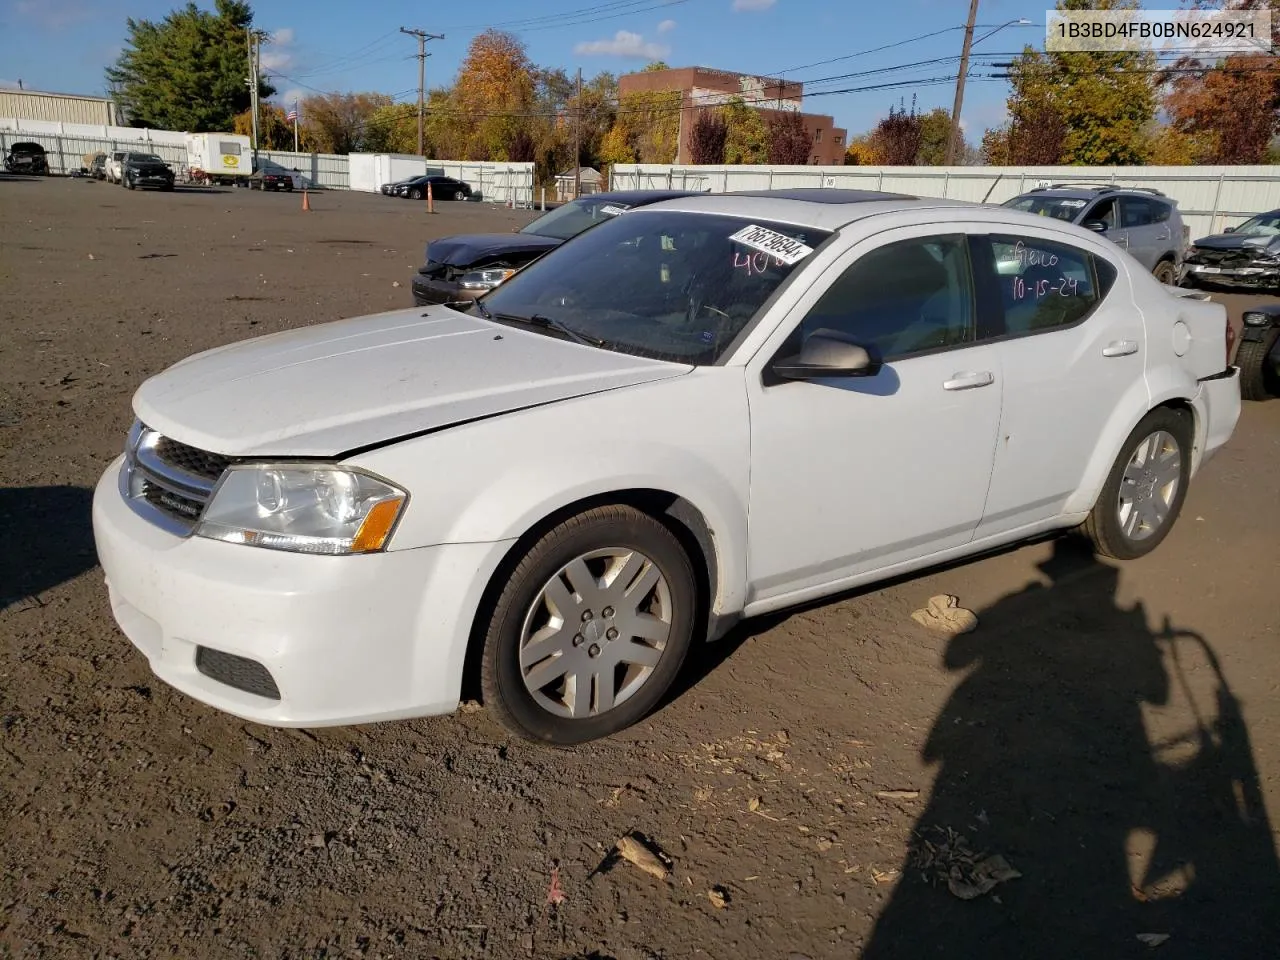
{"x": 1217, "y": 406}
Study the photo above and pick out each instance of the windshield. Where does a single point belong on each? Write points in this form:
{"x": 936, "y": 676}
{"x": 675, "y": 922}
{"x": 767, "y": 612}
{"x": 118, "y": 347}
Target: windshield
{"x": 657, "y": 283}
{"x": 1263, "y": 225}
{"x": 145, "y": 158}
{"x": 1060, "y": 208}
{"x": 572, "y": 218}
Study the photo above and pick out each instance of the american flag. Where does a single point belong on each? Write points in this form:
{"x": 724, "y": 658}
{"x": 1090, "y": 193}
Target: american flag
{"x": 292, "y": 115}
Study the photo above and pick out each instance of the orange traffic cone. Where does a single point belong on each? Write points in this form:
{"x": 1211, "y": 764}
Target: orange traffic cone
{"x": 306, "y": 200}
{"x": 431, "y": 202}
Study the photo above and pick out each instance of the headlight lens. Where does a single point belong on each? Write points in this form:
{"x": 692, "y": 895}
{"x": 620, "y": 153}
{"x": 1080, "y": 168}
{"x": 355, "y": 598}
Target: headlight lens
{"x": 1256, "y": 319}
{"x": 484, "y": 279}
{"x": 303, "y": 508}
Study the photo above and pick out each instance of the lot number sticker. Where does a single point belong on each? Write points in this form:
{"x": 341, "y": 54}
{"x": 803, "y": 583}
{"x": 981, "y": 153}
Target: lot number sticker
{"x": 784, "y": 248}
{"x": 610, "y": 210}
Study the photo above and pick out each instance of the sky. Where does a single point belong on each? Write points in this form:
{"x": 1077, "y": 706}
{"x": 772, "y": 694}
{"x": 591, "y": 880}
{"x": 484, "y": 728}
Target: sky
{"x": 323, "y": 45}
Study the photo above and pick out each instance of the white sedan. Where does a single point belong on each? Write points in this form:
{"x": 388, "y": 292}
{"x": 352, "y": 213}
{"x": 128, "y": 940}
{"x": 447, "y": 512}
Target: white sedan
{"x": 705, "y": 409}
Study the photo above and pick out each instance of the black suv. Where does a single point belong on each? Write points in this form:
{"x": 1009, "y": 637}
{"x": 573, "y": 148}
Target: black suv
{"x": 145, "y": 170}
{"x": 26, "y": 158}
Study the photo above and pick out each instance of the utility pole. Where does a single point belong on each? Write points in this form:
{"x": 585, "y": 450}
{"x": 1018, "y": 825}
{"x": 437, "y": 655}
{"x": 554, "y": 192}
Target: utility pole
{"x": 577, "y": 141}
{"x": 423, "y": 37}
{"x": 953, "y": 135}
{"x": 254, "y": 38}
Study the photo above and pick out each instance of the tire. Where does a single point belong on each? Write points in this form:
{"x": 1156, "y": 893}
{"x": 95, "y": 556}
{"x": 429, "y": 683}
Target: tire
{"x": 1166, "y": 272}
{"x": 631, "y": 544}
{"x": 415, "y": 194}
{"x": 129, "y": 184}
{"x": 1256, "y": 382}
{"x": 459, "y": 194}
{"x": 1127, "y": 521}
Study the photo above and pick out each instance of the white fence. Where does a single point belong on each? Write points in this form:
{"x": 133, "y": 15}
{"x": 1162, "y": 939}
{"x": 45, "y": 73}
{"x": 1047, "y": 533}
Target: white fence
{"x": 57, "y": 128}
{"x": 505, "y": 183}
{"x": 1209, "y": 198}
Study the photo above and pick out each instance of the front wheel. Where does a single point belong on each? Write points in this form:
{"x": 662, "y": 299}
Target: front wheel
{"x": 1256, "y": 381}
{"x": 1166, "y": 272}
{"x": 415, "y": 194}
{"x": 1143, "y": 494}
{"x": 460, "y": 195}
{"x": 590, "y": 628}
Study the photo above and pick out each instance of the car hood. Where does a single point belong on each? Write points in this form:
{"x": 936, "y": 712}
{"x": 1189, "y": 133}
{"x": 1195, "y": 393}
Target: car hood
{"x": 1222, "y": 241}
{"x": 148, "y": 166}
{"x": 466, "y": 249}
{"x": 328, "y": 389}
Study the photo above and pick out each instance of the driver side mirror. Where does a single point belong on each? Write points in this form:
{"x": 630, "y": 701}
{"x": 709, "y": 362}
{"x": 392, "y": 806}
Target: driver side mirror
{"x": 1229, "y": 230}
{"x": 825, "y": 354}
{"x": 1097, "y": 226}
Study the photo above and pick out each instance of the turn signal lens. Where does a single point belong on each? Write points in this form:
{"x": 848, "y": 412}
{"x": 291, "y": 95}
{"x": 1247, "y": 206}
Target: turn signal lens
{"x": 377, "y": 526}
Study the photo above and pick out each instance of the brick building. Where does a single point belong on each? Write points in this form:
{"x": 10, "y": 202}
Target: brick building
{"x": 703, "y": 88}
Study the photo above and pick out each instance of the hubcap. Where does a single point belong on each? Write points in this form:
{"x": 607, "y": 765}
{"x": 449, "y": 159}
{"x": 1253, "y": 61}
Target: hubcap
{"x": 1149, "y": 485}
{"x": 595, "y": 632}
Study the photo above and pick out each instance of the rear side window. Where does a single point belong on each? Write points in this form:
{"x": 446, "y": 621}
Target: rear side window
{"x": 1045, "y": 285}
{"x": 1161, "y": 211}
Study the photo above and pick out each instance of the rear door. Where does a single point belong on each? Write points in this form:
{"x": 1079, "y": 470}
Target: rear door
{"x": 1147, "y": 239}
{"x": 1072, "y": 351}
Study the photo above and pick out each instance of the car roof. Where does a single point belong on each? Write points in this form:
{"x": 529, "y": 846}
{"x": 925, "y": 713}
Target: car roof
{"x": 820, "y": 208}
{"x": 1085, "y": 191}
{"x": 638, "y": 197}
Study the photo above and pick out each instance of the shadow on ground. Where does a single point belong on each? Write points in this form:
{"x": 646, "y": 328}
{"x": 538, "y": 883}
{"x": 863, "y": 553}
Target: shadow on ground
{"x": 46, "y": 538}
{"x": 1043, "y": 757}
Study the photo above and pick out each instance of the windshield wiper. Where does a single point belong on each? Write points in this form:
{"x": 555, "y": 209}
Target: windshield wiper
{"x": 545, "y": 323}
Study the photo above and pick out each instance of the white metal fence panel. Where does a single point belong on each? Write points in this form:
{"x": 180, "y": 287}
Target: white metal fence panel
{"x": 328, "y": 170}
{"x": 1209, "y": 198}
{"x": 66, "y": 154}
{"x": 506, "y": 183}
{"x": 93, "y": 130}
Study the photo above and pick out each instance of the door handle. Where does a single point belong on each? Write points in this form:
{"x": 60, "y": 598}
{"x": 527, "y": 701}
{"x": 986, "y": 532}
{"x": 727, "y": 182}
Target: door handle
{"x": 1120, "y": 348}
{"x": 968, "y": 381}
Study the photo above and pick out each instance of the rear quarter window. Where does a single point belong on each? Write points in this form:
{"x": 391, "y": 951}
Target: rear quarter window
{"x": 1046, "y": 285}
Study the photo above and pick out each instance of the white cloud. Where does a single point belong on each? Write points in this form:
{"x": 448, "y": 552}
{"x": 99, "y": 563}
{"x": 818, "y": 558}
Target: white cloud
{"x": 287, "y": 98}
{"x": 276, "y": 59}
{"x": 624, "y": 44}
{"x": 282, "y": 37}
{"x": 742, "y": 5}
{"x": 276, "y": 54}
{"x": 666, "y": 26}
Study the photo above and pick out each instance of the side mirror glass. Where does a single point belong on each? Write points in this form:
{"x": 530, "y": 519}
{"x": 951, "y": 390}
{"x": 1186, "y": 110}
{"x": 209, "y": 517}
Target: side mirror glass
{"x": 825, "y": 354}
{"x": 1097, "y": 226}
{"x": 1229, "y": 230}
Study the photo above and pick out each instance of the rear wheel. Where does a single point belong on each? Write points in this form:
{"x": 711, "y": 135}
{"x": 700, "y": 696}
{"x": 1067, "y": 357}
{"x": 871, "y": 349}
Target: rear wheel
{"x": 1143, "y": 494}
{"x": 590, "y": 629}
{"x": 460, "y": 195}
{"x": 1166, "y": 272}
{"x": 1256, "y": 381}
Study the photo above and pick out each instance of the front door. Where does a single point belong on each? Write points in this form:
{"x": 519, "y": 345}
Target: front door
{"x": 854, "y": 475}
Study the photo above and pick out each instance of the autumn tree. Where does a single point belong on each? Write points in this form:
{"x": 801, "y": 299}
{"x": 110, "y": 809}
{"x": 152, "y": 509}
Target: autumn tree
{"x": 274, "y": 131}
{"x": 935, "y": 130}
{"x": 652, "y": 122}
{"x": 338, "y": 122}
{"x": 392, "y": 128}
{"x": 707, "y": 138}
{"x": 494, "y": 92}
{"x": 1228, "y": 111}
{"x": 186, "y": 72}
{"x": 747, "y": 136}
{"x": 616, "y": 147}
{"x": 789, "y": 141}
{"x": 861, "y": 152}
{"x": 896, "y": 139}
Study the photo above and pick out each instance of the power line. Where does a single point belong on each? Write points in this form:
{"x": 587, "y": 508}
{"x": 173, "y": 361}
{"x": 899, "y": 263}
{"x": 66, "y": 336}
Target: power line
{"x": 423, "y": 37}
{"x": 569, "y": 18}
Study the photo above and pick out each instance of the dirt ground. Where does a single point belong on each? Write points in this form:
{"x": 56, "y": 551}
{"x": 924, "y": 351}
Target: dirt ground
{"x": 825, "y": 784}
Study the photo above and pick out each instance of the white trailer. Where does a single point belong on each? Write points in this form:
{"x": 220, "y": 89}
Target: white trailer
{"x": 223, "y": 158}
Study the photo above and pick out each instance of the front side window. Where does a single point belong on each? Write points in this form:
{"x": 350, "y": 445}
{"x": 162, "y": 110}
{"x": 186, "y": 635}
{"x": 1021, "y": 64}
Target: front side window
{"x": 1060, "y": 208}
{"x": 903, "y": 298}
{"x": 673, "y": 285}
{"x": 1044, "y": 284}
{"x": 1104, "y": 210}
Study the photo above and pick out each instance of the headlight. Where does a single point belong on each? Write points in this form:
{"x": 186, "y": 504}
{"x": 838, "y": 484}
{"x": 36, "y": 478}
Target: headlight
{"x": 1256, "y": 319}
{"x": 484, "y": 279}
{"x": 303, "y": 508}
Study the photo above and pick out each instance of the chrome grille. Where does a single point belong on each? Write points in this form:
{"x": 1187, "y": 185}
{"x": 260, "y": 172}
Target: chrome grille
{"x": 1222, "y": 258}
{"x": 167, "y": 482}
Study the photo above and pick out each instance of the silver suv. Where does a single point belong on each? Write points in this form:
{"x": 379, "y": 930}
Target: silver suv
{"x": 1143, "y": 221}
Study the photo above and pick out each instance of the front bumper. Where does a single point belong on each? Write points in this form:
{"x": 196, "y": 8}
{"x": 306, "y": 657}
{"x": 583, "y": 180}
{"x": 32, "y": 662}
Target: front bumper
{"x": 433, "y": 292}
{"x": 1254, "y": 274}
{"x": 345, "y": 639}
{"x": 151, "y": 180}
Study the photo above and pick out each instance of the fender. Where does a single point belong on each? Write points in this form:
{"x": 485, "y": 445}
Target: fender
{"x": 495, "y": 479}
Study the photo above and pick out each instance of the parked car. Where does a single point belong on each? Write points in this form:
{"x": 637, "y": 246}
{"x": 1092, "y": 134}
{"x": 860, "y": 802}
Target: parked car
{"x": 557, "y": 480}
{"x": 1243, "y": 256}
{"x": 1143, "y": 221}
{"x": 1258, "y": 355}
{"x": 442, "y": 188}
{"x": 272, "y": 180}
{"x": 112, "y": 167}
{"x": 98, "y": 166}
{"x": 462, "y": 268}
{"x": 145, "y": 170}
{"x": 26, "y": 158}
